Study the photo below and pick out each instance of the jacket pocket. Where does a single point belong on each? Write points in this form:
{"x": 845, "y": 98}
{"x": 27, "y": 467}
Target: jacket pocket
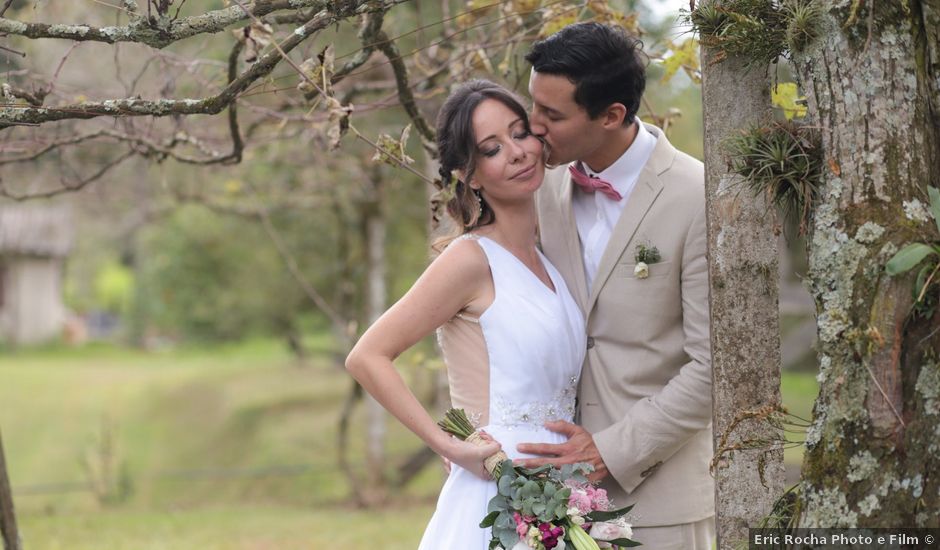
{"x": 659, "y": 269}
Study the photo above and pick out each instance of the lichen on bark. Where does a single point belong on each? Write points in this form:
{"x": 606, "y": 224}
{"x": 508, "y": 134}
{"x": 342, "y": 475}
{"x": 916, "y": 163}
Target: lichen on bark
{"x": 871, "y": 451}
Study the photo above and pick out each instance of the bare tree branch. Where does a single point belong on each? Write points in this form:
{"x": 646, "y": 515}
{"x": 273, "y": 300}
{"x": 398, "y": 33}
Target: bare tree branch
{"x": 15, "y": 114}
{"x": 34, "y": 98}
{"x": 159, "y": 32}
{"x": 390, "y": 50}
{"x": 67, "y": 186}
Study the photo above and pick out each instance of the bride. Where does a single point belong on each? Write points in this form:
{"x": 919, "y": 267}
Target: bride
{"x": 512, "y": 337}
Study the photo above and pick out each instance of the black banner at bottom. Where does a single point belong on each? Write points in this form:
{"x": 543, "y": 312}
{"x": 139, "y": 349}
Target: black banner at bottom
{"x": 843, "y": 539}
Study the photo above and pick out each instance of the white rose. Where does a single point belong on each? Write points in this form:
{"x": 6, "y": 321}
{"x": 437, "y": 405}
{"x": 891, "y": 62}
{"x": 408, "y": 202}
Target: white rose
{"x": 641, "y": 271}
{"x": 521, "y": 545}
{"x": 575, "y": 516}
{"x": 603, "y": 530}
{"x": 626, "y": 530}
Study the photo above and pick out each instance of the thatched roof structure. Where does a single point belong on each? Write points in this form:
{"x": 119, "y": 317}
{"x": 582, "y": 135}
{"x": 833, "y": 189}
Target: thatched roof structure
{"x": 35, "y": 230}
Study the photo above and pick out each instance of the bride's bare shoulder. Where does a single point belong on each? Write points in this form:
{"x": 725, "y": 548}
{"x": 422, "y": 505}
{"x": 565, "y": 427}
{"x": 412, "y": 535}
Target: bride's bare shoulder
{"x": 463, "y": 255}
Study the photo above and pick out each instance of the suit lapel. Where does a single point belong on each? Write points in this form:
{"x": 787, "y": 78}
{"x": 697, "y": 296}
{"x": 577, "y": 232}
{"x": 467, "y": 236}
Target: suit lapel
{"x": 644, "y": 193}
{"x": 647, "y": 189}
{"x": 575, "y": 257}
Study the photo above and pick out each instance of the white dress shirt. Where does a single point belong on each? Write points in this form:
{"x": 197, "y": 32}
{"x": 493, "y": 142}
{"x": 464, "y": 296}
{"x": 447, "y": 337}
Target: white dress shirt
{"x": 595, "y": 214}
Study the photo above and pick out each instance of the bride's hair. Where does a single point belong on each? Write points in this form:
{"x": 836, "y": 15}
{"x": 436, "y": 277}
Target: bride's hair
{"x": 456, "y": 145}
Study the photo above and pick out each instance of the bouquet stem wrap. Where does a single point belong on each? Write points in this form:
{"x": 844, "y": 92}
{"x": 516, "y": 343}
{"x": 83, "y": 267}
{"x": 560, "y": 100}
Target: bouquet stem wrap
{"x": 492, "y": 464}
{"x": 457, "y": 424}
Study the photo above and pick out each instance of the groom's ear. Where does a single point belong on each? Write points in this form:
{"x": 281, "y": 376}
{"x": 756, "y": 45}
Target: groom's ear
{"x": 614, "y": 116}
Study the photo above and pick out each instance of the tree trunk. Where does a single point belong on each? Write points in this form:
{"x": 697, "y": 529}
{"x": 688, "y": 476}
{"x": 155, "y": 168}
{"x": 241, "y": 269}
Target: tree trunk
{"x": 745, "y": 336}
{"x": 376, "y": 296}
{"x": 873, "y": 452}
{"x": 10, "y": 535}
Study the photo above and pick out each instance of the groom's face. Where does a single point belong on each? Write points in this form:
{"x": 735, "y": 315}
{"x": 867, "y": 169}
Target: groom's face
{"x": 564, "y": 125}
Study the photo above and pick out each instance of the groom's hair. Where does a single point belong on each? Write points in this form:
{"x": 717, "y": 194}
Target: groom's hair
{"x": 605, "y": 64}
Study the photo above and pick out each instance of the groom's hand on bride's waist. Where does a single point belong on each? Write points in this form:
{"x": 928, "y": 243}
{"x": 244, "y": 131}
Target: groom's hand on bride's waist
{"x": 579, "y": 448}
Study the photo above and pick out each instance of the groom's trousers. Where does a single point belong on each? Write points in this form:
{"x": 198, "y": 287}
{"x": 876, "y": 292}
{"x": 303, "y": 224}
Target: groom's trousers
{"x": 699, "y": 535}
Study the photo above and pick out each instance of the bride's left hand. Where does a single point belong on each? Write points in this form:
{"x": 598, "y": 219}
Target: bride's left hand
{"x": 483, "y": 435}
{"x": 580, "y": 447}
{"x": 471, "y": 456}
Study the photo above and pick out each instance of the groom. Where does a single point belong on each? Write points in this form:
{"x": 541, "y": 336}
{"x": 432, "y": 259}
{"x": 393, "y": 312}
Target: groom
{"x": 623, "y": 197}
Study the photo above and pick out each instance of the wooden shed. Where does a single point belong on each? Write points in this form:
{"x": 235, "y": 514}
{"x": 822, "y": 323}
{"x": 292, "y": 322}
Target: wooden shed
{"x": 35, "y": 240}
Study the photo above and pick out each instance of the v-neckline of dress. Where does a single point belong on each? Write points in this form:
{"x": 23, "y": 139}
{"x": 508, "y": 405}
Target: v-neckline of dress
{"x": 552, "y": 289}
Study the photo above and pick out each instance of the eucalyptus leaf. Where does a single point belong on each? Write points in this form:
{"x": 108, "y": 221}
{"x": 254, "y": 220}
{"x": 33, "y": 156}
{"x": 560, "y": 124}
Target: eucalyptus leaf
{"x": 532, "y": 472}
{"x": 497, "y": 504}
{"x": 504, "y": 486}
{"x": 504, "y": 521}
{"x": 508, "y": 537}
{"x": 531, "y": 488}
{"x": 907, "y": 257}
{"x": 489, "y": 520}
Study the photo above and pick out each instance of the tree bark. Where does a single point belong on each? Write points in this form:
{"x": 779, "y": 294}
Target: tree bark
{"x": 375, "y": 230}
{"x": 873, "y": 452}
{"x": 745, "y": 336}
{"x": 11, "y": 537}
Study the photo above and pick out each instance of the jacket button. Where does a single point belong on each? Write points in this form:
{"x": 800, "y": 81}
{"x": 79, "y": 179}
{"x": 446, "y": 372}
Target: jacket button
{"x": 651, "y": 469}
{"x": 590, "y": 342}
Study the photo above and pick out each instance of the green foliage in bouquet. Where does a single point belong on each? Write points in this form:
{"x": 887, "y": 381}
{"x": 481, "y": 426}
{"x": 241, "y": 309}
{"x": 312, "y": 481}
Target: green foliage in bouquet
{"x": 542, "y": 493}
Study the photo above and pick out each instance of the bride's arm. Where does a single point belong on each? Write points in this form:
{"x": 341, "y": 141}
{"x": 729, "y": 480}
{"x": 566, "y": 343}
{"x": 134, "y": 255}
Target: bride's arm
{"x": 458, "y": 277}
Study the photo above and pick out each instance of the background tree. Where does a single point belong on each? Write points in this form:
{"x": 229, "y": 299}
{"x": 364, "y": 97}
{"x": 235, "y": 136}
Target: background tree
{"x": 857, "y": 174}
{"x": 743, "y": 294}
{"x": 8, "y": 529}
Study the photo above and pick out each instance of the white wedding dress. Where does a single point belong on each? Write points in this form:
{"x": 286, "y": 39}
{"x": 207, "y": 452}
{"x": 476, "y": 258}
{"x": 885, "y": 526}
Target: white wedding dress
{"x": 513, "y": 369}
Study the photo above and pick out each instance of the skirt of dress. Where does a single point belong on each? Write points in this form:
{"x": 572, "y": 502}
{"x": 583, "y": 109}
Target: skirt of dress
{"x": 462, "y": 504}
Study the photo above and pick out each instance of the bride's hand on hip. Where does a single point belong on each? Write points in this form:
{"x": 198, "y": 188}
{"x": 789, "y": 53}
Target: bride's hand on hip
{"x": 470, "y": 456}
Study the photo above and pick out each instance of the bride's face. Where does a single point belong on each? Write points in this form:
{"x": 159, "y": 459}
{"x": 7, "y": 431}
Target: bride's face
{"x": 509, "y": 158}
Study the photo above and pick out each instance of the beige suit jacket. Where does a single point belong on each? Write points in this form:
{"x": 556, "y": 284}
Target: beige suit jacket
{"x": 645, "y": 389}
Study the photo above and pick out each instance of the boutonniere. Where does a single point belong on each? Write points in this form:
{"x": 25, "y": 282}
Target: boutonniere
{"x": 645, "y": 255}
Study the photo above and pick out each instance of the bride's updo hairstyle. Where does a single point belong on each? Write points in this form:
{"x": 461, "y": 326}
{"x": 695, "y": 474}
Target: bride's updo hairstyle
{"x": 457, "y": 147}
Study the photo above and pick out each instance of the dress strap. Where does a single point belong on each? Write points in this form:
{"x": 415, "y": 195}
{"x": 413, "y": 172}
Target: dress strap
{"x": 468, "y": 318}
{"x": 467, "y": 237}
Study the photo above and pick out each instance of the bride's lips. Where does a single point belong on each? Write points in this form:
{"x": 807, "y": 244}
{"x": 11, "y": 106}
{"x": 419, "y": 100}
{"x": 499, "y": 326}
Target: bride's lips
{"x": 524, "y": 173}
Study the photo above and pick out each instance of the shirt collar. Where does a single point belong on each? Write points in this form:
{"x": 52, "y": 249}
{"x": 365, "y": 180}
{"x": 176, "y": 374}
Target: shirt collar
{"x": 626, "y": 169}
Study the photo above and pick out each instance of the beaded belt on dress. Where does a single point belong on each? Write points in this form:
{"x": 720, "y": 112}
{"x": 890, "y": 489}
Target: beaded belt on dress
{"x": 511, "y": 412}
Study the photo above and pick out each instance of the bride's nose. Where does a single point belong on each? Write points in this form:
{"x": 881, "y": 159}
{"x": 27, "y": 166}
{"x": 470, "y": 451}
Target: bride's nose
{"x": 516, "y": 152}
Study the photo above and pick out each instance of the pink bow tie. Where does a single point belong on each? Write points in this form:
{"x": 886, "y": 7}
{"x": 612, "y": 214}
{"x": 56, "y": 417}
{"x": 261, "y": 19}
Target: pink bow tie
{"x": 589, "y": 184}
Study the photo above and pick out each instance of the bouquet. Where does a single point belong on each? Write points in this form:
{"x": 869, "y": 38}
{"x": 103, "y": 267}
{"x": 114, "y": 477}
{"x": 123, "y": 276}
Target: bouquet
{"x": 546, "y": 508}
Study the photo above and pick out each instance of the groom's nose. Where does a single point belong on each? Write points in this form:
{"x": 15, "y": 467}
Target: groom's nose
{"x": 538, "y": 129}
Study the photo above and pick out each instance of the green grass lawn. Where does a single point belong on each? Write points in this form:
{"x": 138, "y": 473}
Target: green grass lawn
{"x": 230, "y": 528}
{"x": 184, "y": 424}
{"x": 204, "y": 436}
{"x": 798, "y": 392}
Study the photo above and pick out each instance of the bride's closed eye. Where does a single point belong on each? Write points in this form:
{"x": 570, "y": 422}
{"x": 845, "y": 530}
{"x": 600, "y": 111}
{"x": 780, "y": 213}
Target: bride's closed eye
{"x": 494, "y": 150}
